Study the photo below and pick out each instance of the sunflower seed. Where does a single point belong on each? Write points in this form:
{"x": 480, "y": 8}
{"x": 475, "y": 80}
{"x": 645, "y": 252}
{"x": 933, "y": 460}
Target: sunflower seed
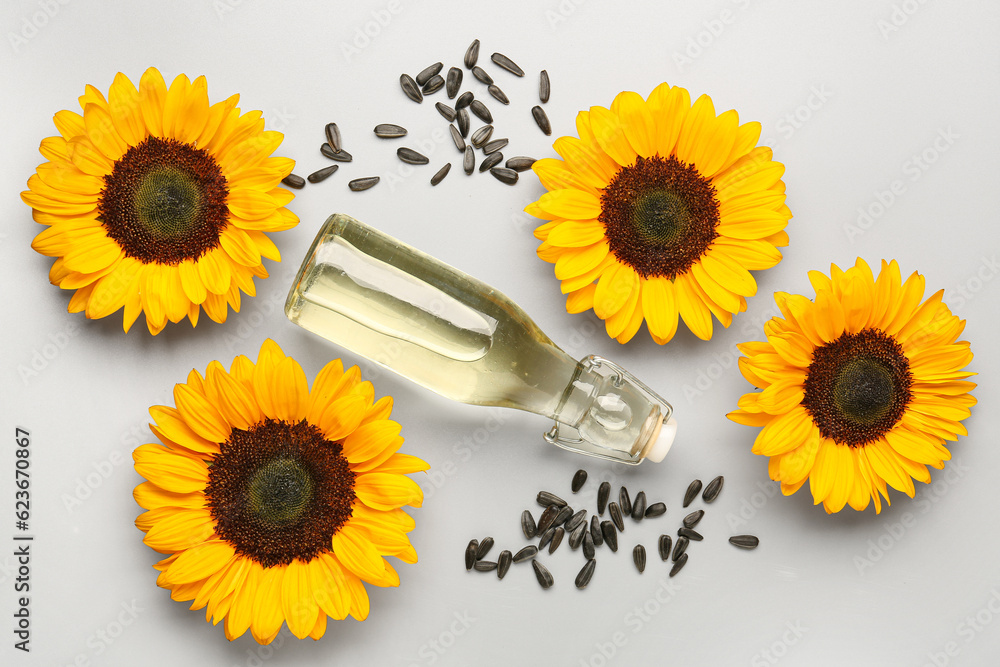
{"x": 470, "y": 554}
{"x": 544, "y": 498}
{"x": 639, "y": 506}
{"x": 546, "y": 538}
{"x": 577, "y": 519}
{"x": 506, "y": 63}
{"x": 586, "y": 574}
{"x": 503, "y": 563}
{"x": 624, "y": 502}
{"x": 472, "y": 54}
{"x": 603, "y": 491}
{"x": 485, "y": 565}
{"x": 410, "y": 156}
{"x": 480, "y": 110}
{"x": 338, "y": 156}
{"x": 549, "y": 515}
{"x": 580, "y": 476}
{"x": 692, "y": 492}
{"x": 481, "y": 136}
{"x": 491, "y": 161}
{"x": 456, "y": 136}
{"x": 482, "y": 76}
{"x": 504, "y": 175}
{"x": 410, "y": 88}
{"x": 680, "y": 546}
{"x": 557, "y": 539}
{"x": 333, "y": 137}
{"x": 463, "y": 121}
{"x": 564, "y": 513}
{"x": 484, "y": 548}
{"x": 321, "y": 175}
{"x": 543, "y": 86}
{"x": 359, "y": 184}
{"x": 693, "y": 535}
{"x": 494, "y": 146}
{"x": 639, "y": 558}
{"x": 678, "y": 564}
{"x": 428, "y": 72}
{"x": 692, "y": 519}
{"x": 663, "y": 546}
{"x": 469, "y": 161}
{"x": 498, "y": 94}
{"x": 541, "y": 119}
{"x": 521, "y": 163}
{"x": 616, "y": 516}
{"x": 656, "y": 509}
{"x": 390, "y": 131}
{"x": 445, "y": 110}
{"x": 595, "y": 531}
{"x": 542, "y": 574}
{"x": 526, "y": 553}
{"x": 453, "y": 82}
{"x": 713, "y": 489}
{"x": 576, "y": 537}
{"x": 588, "y": 545}
{"x": 435, "y": 84}
{"x": 744, "y": 541}
{"x": 610, "y": 535}
{"x": 464, "y": 100}
{"x": 528, "y": 524}
{"x": 294, "y": 181}
{"x": 441, "y": 173}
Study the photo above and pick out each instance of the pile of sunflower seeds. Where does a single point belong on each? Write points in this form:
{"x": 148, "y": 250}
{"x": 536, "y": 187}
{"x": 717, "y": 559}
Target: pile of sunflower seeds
{"x": 559, "y": 519}
{"x": 429, "y": 81}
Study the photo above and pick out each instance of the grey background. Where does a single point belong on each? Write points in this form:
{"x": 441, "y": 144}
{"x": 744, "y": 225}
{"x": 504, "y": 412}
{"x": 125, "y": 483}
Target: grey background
{"x": 850, "y": 95}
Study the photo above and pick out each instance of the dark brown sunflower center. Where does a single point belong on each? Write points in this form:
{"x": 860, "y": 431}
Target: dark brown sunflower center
{"x": 164, "y": 201}
{"x": 858, "y": 387}
{"x": 279, "y": 491}
{"x": 659, "y": 216}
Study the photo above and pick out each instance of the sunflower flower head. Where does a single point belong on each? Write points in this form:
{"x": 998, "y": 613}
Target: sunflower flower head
{"x": 658, "y": 211}
{"x": 157, "y": 202}
{"x": 862, "y": 386}
{"x": 272, "y": 501}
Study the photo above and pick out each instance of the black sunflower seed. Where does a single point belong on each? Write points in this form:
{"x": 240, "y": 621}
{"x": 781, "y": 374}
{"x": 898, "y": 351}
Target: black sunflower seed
{"x": 744, "y": 541}
{"x": 428, "y": 72}
{"x": 294, "y": 181}
{"x": 557, "y": 538}
{"x": 481, "y": 136}
{"x": 544, "y": 498}
{"x": 453, "y": 82}
{"x": 506, "y": 63}
{"x": 603, "y": 492}
{"x": 550, "y": 512}
{"x": 543, "y": 86}
{"x": 484, "y": 548}
{"x": 541, "y": 119}
{"x": 469, "y": 160}
{"x": 521, "y": 163}
{"x": 390, "y": 131}
{"x": 580, "y": 476}
{"x": 485, "y": 565}
{"x": 456, "y": 136}
{"x": 588, "y": 545}
{"x": 502, "y": 174}
{"x": 472, "y": 54}
{"x": 498, "y": 94}
{"x": 446, "y": 111}
{"x": 526, "y": 553}
{"x": 503, "y": 563}
{"x": 441, "y": 173}
{"x": 624, "y": 501}
{"x": 464, "y": 100}
{"x": 656, "y": 509}
{"x": 639, "y": 557}
{"x": 410, "y": 88}
{"x": 678, "y": 564}
{"x": 321, "y": 175}
{"x": 482, "y": 76}
{"x": 595, "y": 531}
{"x": 542, "y": 574}
{"x": 480, "y": 110}
{"x": 359, "y": 184}
{"x": 435, "y": 84}
{"x": 616, "y": 516}
{"x": 528, "y": 524}
{"x": 692, "y": 492}
{"x": 410, "y": 156}
{"x": 692, "y": 519}
{"x": 663, "y": 546}
{"x": 463, "y": 121}
{"x": 576, "y": 520}
{"x": 470, "y": 554}
{"x": 610, "y": 535}
{"x": 564, "y": 514}
{"x": 546, "y": 538}
{"x": 639, "y": 506}
{"x": 713, "y": 489}
{"x": 494, "y": 146}
{"x": 586, "y": 574}
{"x": 333, "y": 137}
{"x": 338, "y": 156}
{"x": 576, "y": 537}
{"x": 690, "y": 534}
{"x": 680, "y": 546}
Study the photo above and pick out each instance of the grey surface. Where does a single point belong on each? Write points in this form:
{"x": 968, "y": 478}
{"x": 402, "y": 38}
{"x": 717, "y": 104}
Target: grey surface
{"x": 902, "y": 588}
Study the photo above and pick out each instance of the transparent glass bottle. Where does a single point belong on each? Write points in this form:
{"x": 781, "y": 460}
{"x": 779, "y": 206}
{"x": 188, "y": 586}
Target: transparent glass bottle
{"x": 461, "y": 338}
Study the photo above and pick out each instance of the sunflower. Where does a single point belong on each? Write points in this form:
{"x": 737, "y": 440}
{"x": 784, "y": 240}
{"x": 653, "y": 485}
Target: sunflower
{"x": 666, "y": 206}
{"x": 156, "y": 202}
{"x": 274, "y": 501}
{"x": 862, "y": 386}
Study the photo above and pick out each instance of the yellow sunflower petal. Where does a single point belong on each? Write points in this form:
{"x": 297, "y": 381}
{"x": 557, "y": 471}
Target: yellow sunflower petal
{"x": 297, "y": 602}
{"x": 386, "y": 491}
{"x": 669, "y": 106}
{"x": 614, "y": 289}
{"x": 355, "y": 551}
{"x": 267, "y": 613}
{"x": 180, "y": 529}
{"x": 609, "y": 132}
{"x": 168, "y": 470}
{"x": 691, "y": 308}
{"x": 200, "y": 562}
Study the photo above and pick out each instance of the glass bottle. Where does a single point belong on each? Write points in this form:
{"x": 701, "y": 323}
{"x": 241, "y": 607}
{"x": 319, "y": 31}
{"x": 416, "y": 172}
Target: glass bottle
{"x": 463, "y": 339}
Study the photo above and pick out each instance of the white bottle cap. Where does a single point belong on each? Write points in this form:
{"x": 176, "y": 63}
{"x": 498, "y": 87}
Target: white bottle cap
{"x": 661, "y": 440}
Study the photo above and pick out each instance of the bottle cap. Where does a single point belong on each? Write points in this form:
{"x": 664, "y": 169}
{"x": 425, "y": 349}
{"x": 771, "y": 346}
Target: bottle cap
{"x": 661, "y": 440}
